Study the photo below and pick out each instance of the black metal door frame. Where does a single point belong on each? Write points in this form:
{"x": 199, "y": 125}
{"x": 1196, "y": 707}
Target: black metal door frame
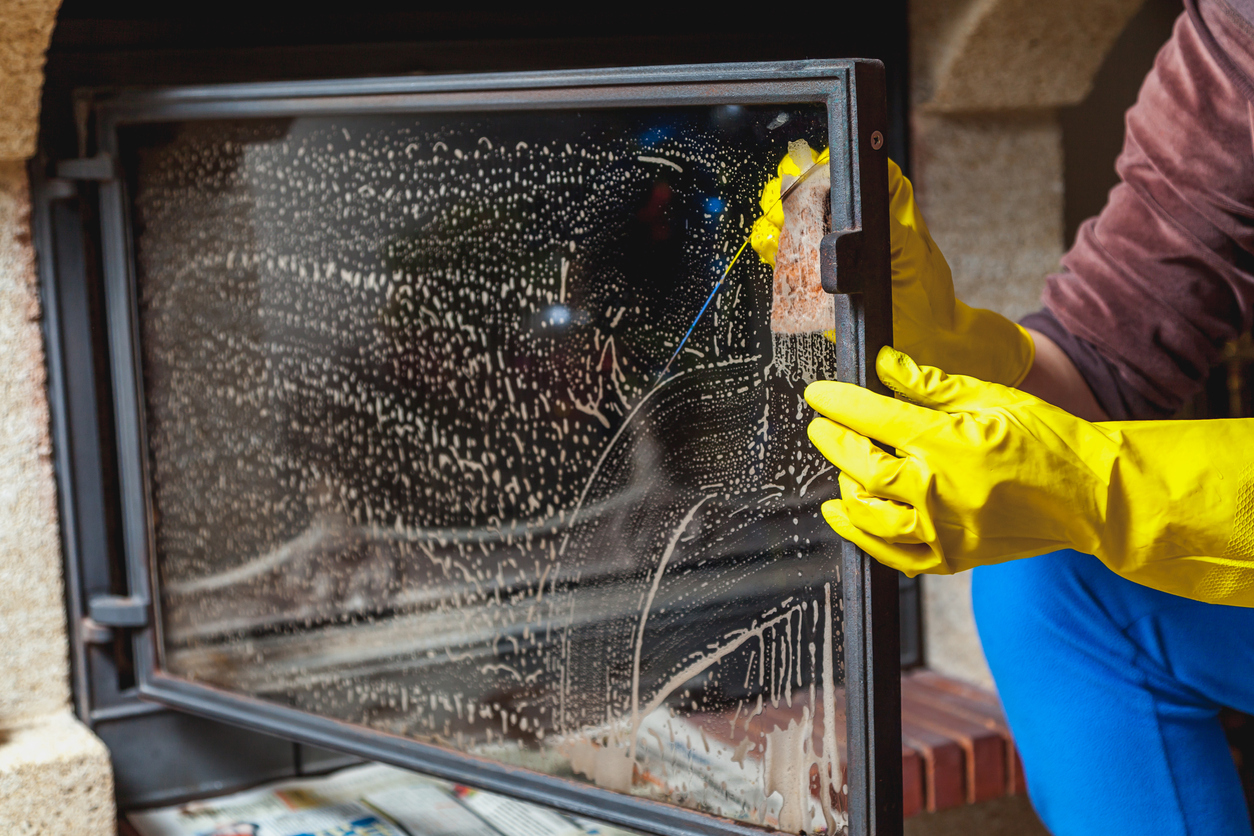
{"x": 855, "y": 266}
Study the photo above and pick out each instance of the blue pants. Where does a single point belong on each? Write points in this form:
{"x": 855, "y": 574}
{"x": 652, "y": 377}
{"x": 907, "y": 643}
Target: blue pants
{"x": 1112, "y": 691}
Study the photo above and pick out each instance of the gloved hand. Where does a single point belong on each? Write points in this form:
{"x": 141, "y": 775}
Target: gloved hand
{"x": 764, "y": 235}
{"x": 929, "y": 323}
{"x": 984, "y": 473}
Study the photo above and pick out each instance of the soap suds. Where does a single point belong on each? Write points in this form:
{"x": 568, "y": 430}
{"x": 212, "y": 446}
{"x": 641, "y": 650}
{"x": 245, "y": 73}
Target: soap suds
{"x": 413, "y": 468}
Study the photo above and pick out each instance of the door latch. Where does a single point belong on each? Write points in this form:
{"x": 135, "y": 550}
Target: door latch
{"x": 118, "y": 610}
{"x": 100, "y": 168}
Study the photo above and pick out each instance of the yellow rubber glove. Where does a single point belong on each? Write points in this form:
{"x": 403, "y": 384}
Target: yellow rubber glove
{"x": 764, "y": 235}
{"x": 984, "y": 473}
{"x": 929, "y": 322}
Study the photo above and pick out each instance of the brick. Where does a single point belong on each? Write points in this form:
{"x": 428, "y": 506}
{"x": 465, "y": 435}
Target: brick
{"x": 944, "y": 769}
{"x": 984, "y": 748}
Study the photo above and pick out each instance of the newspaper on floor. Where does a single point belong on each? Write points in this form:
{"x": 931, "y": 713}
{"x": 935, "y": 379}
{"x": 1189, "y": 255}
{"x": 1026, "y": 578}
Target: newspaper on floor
{"x": 678, "y": 760}
{"x": 368, "y": 800}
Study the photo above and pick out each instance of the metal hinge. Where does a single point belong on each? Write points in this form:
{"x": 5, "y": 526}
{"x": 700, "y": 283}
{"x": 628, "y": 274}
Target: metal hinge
{"x": 93, "y": 632}
{"x": 99, "y": 168}
{"x": 118, "y": 610}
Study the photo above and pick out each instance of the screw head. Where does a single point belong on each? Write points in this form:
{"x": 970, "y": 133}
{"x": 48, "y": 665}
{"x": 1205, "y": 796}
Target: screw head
{"x": 877, "y": 140}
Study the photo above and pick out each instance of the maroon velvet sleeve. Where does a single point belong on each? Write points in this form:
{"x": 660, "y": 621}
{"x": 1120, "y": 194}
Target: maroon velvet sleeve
{"x": 1165, "y": 274}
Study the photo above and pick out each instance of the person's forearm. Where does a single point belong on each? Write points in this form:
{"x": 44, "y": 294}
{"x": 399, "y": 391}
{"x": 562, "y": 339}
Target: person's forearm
{"x": 1054, "y": 379}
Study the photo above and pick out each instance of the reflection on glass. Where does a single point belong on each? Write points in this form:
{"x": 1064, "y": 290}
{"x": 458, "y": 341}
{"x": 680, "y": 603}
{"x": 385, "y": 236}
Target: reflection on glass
{"x": 413, "y": 467}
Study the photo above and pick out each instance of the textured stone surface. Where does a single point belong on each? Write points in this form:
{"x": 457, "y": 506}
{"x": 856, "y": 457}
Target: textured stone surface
{"x": 25, "y": 29}
{"x": 953, "y": 647}
{"x": 33, "y": 655}
{"x": 1007, "y": 816}
{"x": 987, "y": 55}
{"x": 55, "y": 779}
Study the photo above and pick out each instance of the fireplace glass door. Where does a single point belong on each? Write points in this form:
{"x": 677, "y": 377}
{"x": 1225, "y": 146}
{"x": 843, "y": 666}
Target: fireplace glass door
{"x": 429, "y": 461}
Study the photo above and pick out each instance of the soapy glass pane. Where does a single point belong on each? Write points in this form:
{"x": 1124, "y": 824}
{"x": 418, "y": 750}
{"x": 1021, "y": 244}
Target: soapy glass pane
{"x": 413, "y": 466}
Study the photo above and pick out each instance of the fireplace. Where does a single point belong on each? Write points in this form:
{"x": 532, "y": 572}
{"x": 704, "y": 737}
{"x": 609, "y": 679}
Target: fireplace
{"x": 377, "y": 404}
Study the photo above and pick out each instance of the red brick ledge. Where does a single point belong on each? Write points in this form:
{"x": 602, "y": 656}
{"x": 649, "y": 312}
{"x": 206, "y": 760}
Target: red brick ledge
{"x": 956, "y": 747}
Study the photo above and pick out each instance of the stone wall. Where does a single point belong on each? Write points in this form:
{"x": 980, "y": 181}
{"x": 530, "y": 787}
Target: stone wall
{"x": 25, "y": 30}
{"x": 54, "y": 773}
{"x": 988, "y": 79}
{"x": 33, "y": 677}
